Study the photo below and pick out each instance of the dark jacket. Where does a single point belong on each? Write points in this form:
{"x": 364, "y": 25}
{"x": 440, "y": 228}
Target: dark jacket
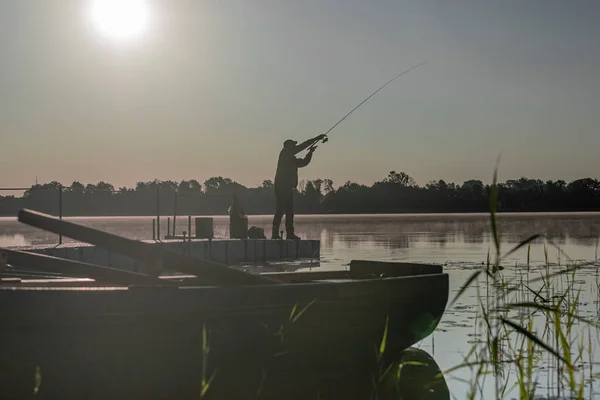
{"x": 286, "y": 176}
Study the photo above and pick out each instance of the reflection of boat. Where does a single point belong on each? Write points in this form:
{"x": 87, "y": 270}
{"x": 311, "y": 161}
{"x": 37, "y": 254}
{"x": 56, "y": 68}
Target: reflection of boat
{"x": 411, "y": 374}
{"x": 134, "y": 335}
{"x": 414, "y": 375}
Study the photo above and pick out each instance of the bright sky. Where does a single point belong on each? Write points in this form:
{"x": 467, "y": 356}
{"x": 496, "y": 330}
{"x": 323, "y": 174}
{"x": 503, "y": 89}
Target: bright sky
{"x": 193, "y": 89}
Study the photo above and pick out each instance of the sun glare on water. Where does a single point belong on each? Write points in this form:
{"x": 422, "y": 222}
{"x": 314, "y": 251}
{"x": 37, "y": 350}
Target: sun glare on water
{"x": 120, "y": 19}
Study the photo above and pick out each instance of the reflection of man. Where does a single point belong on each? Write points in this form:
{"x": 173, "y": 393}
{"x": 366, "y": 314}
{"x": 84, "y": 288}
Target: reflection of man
{"x": 3, "y": 261}
{"x": 238, "y": 222}
{"x": 286, "y": 181}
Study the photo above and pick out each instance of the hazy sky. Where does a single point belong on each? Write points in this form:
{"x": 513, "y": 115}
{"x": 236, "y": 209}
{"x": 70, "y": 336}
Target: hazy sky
{"x": 214, "y": 87}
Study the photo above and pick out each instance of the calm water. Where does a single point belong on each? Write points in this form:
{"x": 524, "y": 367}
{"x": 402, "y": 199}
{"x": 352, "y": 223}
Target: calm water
{"x": 437, "y": 238}
{"x": 460, "y": 241}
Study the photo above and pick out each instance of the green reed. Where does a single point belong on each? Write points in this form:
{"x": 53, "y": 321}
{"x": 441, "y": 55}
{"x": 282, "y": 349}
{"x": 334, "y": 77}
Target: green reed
{"x": 511, "y": 348}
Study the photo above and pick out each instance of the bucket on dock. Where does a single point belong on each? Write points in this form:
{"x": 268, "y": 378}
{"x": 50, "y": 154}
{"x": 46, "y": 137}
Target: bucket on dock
{"x": 204, "y": 228}
{"x": 238, "y": 228}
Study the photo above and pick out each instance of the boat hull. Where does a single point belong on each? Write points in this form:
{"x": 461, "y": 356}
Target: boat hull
{"x": 149, "y": 342}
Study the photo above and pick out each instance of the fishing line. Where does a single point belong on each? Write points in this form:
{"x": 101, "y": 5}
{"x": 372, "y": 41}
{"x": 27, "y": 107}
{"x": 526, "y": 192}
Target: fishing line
{"x": 314, "y": 146}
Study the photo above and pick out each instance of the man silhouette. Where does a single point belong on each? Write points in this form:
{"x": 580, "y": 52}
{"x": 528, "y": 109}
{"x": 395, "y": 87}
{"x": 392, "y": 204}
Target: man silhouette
{"x": 286, "y": 181}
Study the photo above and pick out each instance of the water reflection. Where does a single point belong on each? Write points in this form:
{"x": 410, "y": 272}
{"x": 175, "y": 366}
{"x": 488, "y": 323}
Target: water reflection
{"x": 440, "y": 238}
{"x": 413, "y": 374}
{"x": 425, "y": 238}
{"x": 7, "y": 240}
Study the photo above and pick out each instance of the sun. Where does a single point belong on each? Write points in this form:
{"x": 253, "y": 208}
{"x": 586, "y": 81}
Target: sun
{"x": 120, "y": 19}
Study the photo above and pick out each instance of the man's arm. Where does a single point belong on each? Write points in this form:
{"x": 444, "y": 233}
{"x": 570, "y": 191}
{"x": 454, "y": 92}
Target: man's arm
{"x": 303, "y": 162}
{"x": 308, "y": 143}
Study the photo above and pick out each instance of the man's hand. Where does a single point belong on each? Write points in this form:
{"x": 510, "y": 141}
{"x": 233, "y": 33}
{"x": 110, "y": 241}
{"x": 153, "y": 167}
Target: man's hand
{"x": 310, "y": 142}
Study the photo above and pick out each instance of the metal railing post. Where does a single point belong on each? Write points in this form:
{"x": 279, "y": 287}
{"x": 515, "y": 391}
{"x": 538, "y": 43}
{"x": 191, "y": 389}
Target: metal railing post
{"x": 158, "y": 212}
{"x": 175, "y": 213}
{"x": 60, "y": 209}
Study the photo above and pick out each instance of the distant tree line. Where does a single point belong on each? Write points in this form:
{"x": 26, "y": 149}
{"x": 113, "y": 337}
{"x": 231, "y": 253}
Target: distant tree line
{"x": 397, "y": 193}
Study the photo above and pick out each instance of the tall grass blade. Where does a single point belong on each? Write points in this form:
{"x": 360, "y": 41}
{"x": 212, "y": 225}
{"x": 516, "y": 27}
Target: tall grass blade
{"x": 415, "y": 363}
{"x": 295, "y": 318}
{"x": 566, "y": 349}
{"x": 495, "y": 353}
{"x": 523, "y": 243}
{"x": 460, "y": 366}
{"x": 384, "y": 338}
{"x": 537, "y": 294}
{"x": 465, "y": 286}
{"x": 534, "y": 339}
{"x": 542, "y": 307}
{"x": 38, "y": 380}
{"x": 562, "y": 252}
{"x": 493, "y": 206}
{"x": 293, "y": 311}
{"x": 384, "y": 374}
{"x": 555, "y": 274}
{"x": 204, "y": 339}
{"x": 206, "y": 385}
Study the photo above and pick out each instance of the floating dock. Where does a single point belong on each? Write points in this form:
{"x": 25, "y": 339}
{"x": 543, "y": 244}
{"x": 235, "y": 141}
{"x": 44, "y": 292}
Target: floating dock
{"x": 226, "y": 251}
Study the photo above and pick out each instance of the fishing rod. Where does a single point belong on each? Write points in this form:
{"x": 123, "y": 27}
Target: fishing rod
{"x": 324, "y": 140}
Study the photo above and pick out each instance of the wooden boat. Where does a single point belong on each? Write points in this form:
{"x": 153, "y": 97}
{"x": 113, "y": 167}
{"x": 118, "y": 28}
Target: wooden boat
{"x": 141, "y": 335}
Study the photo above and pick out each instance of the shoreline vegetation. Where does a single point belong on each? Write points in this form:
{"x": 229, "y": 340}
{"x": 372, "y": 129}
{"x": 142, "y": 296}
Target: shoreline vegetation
{"x": 396, "y": 194}
{"x": 530, "y": 338}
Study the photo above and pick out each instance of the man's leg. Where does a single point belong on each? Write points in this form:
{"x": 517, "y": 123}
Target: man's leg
{"x": 279, "y": 210}
{"x": 289, "y": 216}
